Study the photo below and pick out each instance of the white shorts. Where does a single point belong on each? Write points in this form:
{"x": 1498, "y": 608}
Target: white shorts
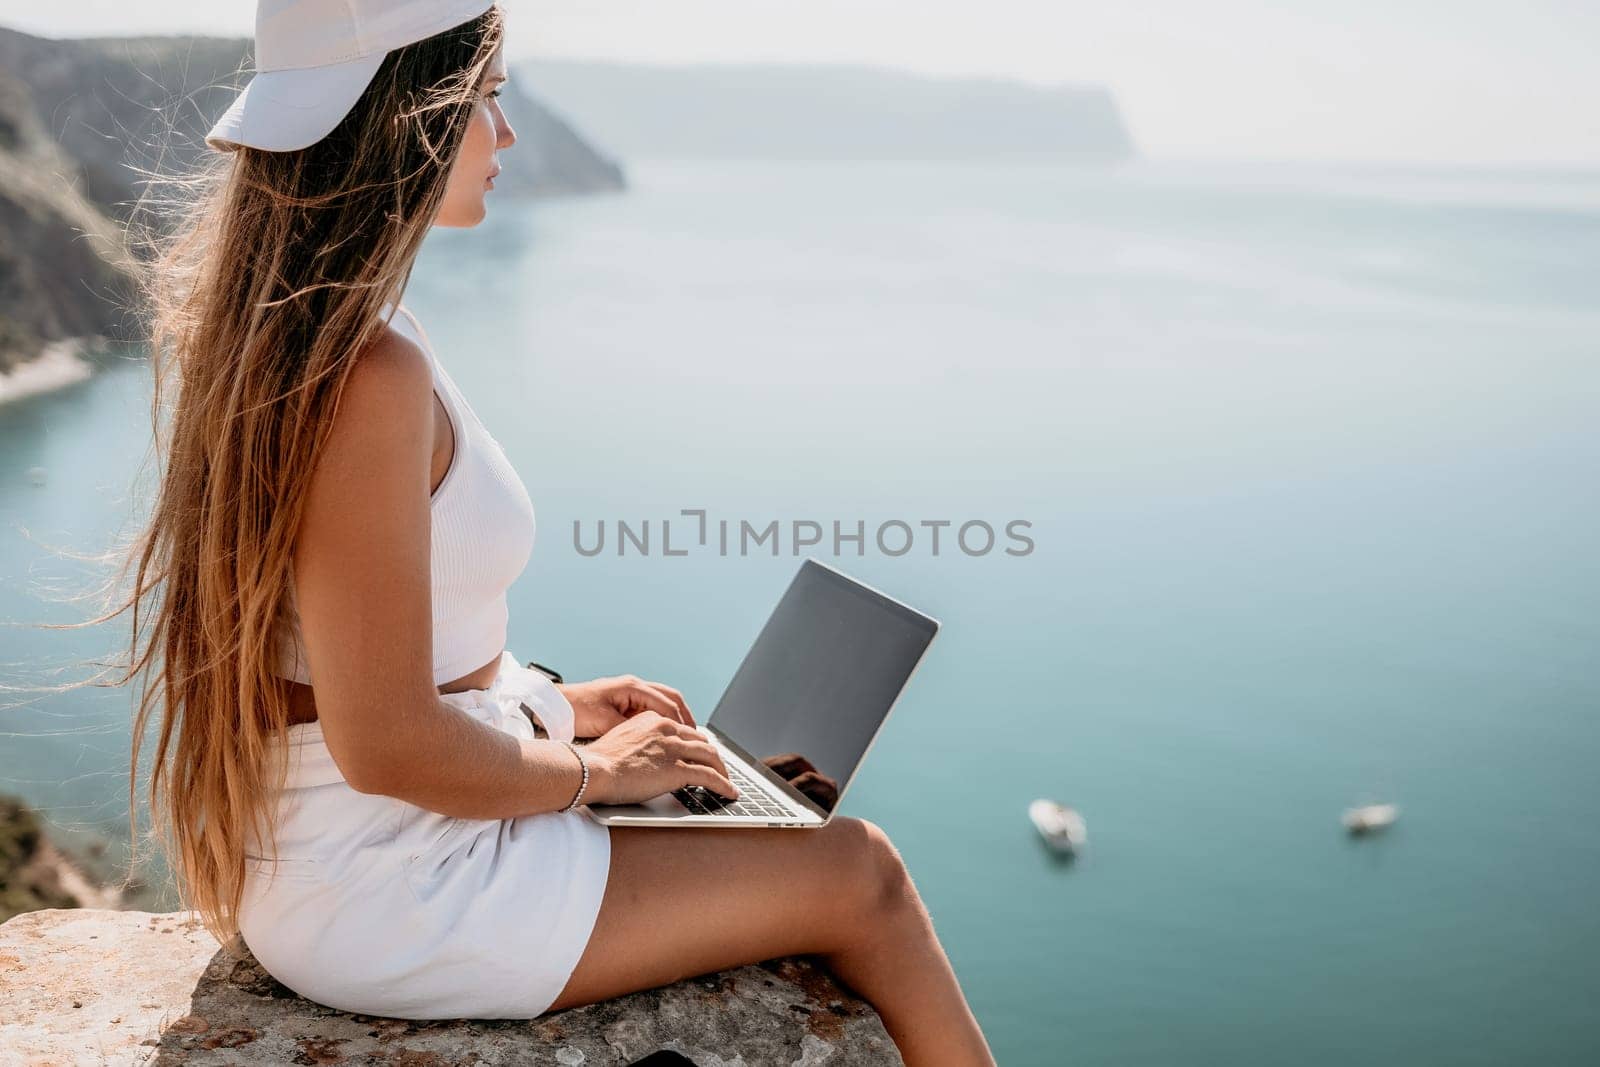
{"x": 382, "y": 907}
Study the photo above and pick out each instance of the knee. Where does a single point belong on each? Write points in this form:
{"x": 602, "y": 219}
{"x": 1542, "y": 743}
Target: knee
{"x": 884, "y": 880}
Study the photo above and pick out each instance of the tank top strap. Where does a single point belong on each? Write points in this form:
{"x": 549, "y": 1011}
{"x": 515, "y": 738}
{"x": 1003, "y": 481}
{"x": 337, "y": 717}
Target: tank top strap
{"x": 404, "y": 321}
{"x": 408, "y": 323}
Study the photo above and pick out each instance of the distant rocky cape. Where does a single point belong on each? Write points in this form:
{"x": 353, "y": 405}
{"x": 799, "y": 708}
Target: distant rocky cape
{"x": 77, "y": 115}
{"x": 801, "y": 111}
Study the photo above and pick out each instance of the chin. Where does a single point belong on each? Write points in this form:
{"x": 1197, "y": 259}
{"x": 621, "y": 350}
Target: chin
{"x": 461, "y": 220}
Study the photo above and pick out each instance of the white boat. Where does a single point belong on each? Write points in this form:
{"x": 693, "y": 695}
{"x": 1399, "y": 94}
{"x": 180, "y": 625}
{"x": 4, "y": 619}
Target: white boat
{"x": 1372, "y": 817}
{"x": 1060, "y": 826}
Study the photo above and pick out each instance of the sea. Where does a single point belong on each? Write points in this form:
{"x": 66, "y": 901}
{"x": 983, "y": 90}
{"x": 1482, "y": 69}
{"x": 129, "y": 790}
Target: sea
{"x": 1244, "y": 494}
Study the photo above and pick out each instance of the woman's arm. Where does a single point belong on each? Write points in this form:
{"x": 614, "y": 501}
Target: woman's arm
{"x": 362, "y": 583}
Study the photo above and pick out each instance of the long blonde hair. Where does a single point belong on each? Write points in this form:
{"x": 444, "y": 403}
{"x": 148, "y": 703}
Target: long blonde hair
{"x": 263, "y": 278}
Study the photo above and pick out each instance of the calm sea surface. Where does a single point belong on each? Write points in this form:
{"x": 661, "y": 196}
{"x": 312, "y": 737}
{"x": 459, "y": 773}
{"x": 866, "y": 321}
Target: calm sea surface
{"x": 1309, "y": 460}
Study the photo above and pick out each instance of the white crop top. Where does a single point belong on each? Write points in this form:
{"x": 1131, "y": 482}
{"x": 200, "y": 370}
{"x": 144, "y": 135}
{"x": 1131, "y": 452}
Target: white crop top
{"x": 482, "y": 536}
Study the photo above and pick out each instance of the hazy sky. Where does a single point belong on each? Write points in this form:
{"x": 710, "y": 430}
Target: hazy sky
{"x": 1387, "y": 80}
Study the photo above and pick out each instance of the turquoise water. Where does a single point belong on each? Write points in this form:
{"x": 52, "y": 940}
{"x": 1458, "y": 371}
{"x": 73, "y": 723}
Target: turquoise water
{"x": 1309, "y": 460}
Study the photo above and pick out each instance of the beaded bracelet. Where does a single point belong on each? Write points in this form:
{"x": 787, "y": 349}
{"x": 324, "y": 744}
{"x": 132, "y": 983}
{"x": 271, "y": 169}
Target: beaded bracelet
{"x": 585, "y": 783}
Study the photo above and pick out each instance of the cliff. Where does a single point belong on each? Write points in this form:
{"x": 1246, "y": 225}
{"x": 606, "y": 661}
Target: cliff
{"x": 63, "y": 267}
{"x": 107, "y": 102}
{"x": 550, "y": 158}
{"x": 80, "y": 118}
{"x": 35, "y": 874}
{"x": 141, "y": 988}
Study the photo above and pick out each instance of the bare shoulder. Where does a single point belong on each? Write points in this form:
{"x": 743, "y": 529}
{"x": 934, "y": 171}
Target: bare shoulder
{"x": 391, "y": 371}
{"x": 385, "y": 409}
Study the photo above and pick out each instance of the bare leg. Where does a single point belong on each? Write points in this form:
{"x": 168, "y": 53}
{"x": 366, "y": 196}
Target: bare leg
{"x": 698, "y": 900}
{"x": 905, "y": 974}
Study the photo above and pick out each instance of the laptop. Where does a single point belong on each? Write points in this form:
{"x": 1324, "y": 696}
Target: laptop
{"x": 796, "y": 722}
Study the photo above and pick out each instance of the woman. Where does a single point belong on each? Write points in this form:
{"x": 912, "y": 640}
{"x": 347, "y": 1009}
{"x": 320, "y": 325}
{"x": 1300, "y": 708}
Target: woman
{"x": 395, "y": 836}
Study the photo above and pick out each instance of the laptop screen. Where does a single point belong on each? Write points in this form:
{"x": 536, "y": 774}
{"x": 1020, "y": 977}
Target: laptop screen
{"x": 820, "y": 679}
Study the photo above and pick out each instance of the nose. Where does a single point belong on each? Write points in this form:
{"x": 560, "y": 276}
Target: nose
{"x": 505, "y": 136}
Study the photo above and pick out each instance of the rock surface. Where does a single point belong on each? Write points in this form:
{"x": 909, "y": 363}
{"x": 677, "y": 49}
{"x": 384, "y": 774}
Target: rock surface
{"x": 129, "y": 987}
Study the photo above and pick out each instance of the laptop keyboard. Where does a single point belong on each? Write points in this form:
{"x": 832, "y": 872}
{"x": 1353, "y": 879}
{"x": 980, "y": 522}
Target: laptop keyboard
{"x": 753, "y": 799}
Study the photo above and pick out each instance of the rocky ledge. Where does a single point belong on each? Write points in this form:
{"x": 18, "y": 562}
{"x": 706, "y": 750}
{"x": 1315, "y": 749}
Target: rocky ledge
{"x": 134, "y": 987}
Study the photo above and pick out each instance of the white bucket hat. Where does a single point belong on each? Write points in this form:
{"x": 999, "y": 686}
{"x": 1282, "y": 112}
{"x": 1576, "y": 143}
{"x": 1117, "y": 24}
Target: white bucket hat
{"x": 314, "y": 58}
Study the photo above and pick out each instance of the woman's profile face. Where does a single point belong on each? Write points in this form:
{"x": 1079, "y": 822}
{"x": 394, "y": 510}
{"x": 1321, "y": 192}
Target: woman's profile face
{"x": 487, "y": 133}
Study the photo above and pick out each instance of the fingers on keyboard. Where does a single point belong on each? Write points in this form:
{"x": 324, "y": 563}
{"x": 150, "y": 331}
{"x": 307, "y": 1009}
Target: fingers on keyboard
{"x": 703, "y": 801}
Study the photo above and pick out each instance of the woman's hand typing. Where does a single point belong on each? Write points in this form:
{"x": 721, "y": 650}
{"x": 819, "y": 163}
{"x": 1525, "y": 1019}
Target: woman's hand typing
{"x": 605, "y": 703}
{"x": 648, "y": 755}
